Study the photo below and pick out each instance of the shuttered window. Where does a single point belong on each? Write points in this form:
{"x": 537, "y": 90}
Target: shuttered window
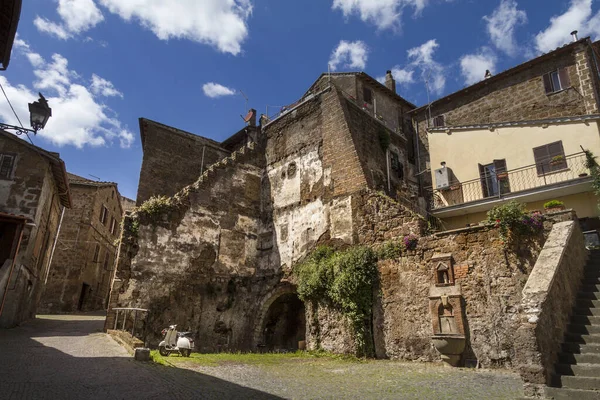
{"x": 103, "y": 215}
{"x": 367, "y": 95}
{"x": 494, "y": 178}
{"x": 96, "y": 253}
{"x": 6, "y": 165}
{"x": 439, "y": 121}
{"x": 106, "y": 260}
{"x": 549, "y": 157}
{"x": 556, "y": 81}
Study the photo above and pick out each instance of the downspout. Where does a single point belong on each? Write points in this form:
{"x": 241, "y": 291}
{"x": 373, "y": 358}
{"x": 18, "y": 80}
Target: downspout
{"x": 418, "y": 155}
{"x": 62, "y": 214}
{"x": 202, "y": 163}
{"x": 387, "y": 160}
{"x": 12, "y": 267}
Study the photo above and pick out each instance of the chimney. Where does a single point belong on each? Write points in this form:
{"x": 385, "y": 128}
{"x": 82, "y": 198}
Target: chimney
{"x": 250, "y": 118}
{"x": 390, "y": 82}
{"x": 574, "y": 34}
{"x": 488, "y": 74}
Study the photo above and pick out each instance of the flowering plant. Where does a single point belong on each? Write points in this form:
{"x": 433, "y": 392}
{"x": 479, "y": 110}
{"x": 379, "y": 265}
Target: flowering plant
{"x": 410, "y": 242}
{"x": 513, "y": 220}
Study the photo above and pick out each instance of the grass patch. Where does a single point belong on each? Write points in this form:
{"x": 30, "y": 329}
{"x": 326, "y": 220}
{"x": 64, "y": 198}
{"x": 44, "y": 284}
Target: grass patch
{"x": 216, "y": 359}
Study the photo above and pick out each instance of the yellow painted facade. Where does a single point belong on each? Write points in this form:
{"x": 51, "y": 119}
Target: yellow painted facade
{"x": 463, "y": 151}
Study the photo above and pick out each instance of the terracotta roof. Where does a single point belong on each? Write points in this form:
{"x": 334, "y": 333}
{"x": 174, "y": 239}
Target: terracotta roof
{"x": 10, "y": 12}
{"x": 80, "y": 180}
{"x": 503, "y": 74}
{"x": 59, "y": 171}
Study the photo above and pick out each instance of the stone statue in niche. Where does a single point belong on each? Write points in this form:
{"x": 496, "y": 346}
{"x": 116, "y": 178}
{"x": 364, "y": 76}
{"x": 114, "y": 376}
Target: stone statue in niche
{"x": 446, "y": 317}
{"x": 443, "y": 278}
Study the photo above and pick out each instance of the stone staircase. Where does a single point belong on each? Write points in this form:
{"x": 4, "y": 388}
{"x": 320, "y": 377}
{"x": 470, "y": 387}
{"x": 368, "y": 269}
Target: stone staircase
{"x": 577, "y": 372}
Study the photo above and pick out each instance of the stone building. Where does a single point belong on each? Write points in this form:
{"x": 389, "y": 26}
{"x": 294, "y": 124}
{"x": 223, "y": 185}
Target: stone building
{"x": 517, "y": 135}
{"x": 83, "y": 265}
{"x": 260, "y": 201}
{"x": 34, "y": 192}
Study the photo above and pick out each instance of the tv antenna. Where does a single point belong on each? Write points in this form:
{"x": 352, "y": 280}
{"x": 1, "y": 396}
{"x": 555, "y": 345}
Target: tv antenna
{"x": 246, "y": 98}
{"x": 426, "y": 77}
{"x": 94, "y": 176}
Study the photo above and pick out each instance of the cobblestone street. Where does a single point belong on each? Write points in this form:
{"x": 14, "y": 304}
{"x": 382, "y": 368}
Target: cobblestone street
{"x": 68, "y": 357}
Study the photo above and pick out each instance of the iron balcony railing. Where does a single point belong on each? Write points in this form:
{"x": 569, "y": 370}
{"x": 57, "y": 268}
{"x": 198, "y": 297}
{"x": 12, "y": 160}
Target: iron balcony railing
{"x": 502, "y": 183}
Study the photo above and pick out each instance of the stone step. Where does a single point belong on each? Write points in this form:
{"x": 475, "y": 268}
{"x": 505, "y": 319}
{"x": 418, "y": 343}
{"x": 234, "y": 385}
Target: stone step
{"x": 589, "y": 370}
{"x": 586, "y": 358}
{"x": 578, "y": 348}
{"x": 570, "y": 394}
{"x": 586, "y": 280}
{"x": 588, "y": 303}
{"x": 586, "y": 319}
{"x": 579, "y": 328}
{"x": 586, "y": 311}
{"x": 586, "y": 287}
{"x": 588, "y": 295}
{"x": 579, "y": 382}
{"x": 582, "y": 338}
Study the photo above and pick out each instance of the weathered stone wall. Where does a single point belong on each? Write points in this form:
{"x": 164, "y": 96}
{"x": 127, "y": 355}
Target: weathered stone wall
{"x": 173, "y": 159}
{"x": 490, "y": 279}
{"x": 548, "y": 298}
{"x": 76, "y": 280}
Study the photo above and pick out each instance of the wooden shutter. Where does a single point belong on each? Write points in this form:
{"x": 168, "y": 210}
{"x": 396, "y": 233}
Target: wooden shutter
{"x": 438, "y": 121}
{"x": 482, "y": 176}
{"x": 503, "y": 183}
{"x": 367, "y": 95}
{"x": 563, "y": 75}
{"x": 548, "y": 83}
{"x": 540, "y": 154}
{"x": 6, "y": 165}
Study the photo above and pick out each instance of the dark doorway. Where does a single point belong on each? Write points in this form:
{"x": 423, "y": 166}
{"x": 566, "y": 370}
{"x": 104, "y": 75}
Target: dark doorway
{"x": 285, "y": 323}
{"x": 85, "y": 289}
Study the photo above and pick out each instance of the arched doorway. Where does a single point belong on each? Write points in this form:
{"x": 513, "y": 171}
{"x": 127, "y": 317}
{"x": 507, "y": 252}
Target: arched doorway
{"x": 284, "y": 324}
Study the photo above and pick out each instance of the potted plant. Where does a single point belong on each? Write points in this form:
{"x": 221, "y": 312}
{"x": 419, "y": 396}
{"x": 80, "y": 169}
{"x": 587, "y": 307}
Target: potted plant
{"x": 502, "y": 176}
{"x": 554, "y": 206}
{"x": 583, "y": 174}
{"x": 557, "y": 160}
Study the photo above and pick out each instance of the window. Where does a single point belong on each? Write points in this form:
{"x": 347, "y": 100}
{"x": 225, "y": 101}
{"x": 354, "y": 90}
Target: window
{"x": 556, "y": 81}
{"x": 494, "y": 178}
{"x": 549, "y": 157}
{"x": 113, "y": 225}
{"x": 106, "y": 260}
{"x": 439, "y": 121}
{"x": 6, "y": 165}
{"x": 103, "y": 215}
{"x": 96, "y": 253}
{"x": 367, "y": 95}
{"x": 396, "y": 165}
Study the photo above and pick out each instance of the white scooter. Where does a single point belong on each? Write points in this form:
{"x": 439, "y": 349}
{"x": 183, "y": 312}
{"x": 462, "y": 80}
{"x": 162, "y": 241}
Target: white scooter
{"x": 176, "y": 342}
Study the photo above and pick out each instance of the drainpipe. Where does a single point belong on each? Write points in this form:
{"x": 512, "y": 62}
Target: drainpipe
{"x": 12, "y": 267}
{"x": 202, "y": 163}
{"x": 418, "y": 155}
{"x": 62, "y": 214}
{"x": 387, "y": 160}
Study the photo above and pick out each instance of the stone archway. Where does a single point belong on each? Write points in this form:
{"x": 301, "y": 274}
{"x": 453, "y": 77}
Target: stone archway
{"x": 283, "y": 321}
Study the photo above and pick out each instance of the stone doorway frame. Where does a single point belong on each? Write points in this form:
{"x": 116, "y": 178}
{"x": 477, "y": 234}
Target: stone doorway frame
{"x": 265, "y": 306}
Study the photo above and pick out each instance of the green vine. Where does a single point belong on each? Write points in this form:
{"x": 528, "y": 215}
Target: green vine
{"x": 592, "y": 165}
{"x": 384, "y": 140}
{"x": 344, "y": 279}
{"x": 155, "y": 206}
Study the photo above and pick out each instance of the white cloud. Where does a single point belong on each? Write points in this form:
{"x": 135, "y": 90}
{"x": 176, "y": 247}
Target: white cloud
{"x": 403, "y": 76}
{"x": 577, "y": 17}
{"x": 219, "y": 23}
{"x": 77, "y": 16}
{"x": 51, "y": 28}
{"x": 385, "y": 14}
{"x": 78, "y": 118}
{"x": 421, "y": 58}
{"x": 474, "y": 66}
{"x": 215, "y": 90}
{"x": 502, "y": 23}
{"x": 349, "y": 55}
{"x": 101, "y": 86}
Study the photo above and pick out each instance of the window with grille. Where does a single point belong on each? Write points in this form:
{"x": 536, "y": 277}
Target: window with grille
{"x": 7, "y": 162}
{"x": 367, "y": 95}
{"x": 549, "y": 157}
{"x": 96, "y": 253}
{"x": 556, "y": 81}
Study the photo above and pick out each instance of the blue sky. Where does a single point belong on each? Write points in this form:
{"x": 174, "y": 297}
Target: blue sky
{"x": 104, "y": 63}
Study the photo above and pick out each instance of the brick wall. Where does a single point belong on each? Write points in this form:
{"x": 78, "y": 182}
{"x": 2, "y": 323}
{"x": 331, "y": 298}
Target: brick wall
{"x": 172, "y": 159}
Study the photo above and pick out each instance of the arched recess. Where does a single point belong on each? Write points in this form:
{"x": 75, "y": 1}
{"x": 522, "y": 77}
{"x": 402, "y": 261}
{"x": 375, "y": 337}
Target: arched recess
{"x": 282, "y": 321}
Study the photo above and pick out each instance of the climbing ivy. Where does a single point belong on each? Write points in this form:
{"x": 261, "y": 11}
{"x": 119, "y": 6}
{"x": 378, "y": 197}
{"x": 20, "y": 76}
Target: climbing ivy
{"x": 592, "y": 165}
{"x": 344, "y": 279}
{"x": 155, "y": 206}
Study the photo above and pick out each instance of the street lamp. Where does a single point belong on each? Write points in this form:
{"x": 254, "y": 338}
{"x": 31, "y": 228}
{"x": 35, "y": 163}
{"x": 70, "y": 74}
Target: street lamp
{"x": 39, "y": 112}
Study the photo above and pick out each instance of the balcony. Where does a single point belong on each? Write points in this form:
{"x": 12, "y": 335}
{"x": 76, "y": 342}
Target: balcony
{"x": 535, "y": 182}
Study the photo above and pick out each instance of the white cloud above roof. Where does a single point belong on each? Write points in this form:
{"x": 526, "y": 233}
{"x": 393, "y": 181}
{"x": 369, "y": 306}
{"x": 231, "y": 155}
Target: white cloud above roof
{"x": 351, "y": 55}
{"x": 502, "y": 23}
{"x": 214, "y": 90}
